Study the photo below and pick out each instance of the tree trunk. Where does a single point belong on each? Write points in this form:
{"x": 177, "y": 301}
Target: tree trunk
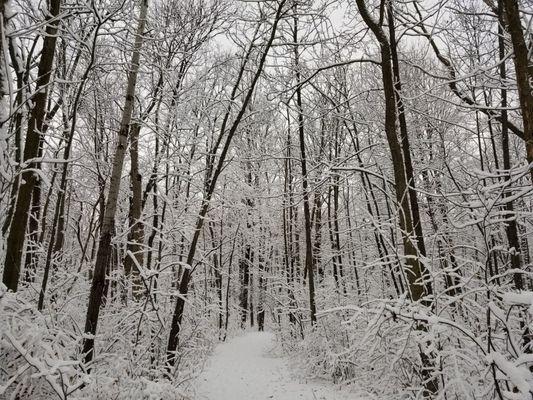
{"x": 136, "y": 231}
{"x": 228, "y": 283}
{"x": 405, "y": 144}
{"x": 104, "y": 248}
{"x": 511, "y": 228}
{"x": 418, "y": 277}
{"x": 352, "y": 257}
{"x": 287, "y": 231}
{"x": 332, "y": 242}
{"x": 20, "y": 99}
{"x": 4, "y": 91}
{"x": 524, "y": 76}
{"x": 336, "y": 226}
{"x": 317, "y": 246}
{"x": 15, "y": 239}
{"x": 261, "y": 283}
{"x": 244, "y": 274}
{"x": 309, "y": 261}
{"x": 217, "y": 270}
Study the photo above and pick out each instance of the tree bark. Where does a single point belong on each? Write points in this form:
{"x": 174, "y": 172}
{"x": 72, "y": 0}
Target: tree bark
{"x": 418, "y": 277}
{"x": 511, "y": 228}
{"x": 15, "y": 239}
{"x": 309, "y": 260}
{"x": 244, "y": 279}
{"x": 104, "y": 248}
{"x": 287, "y": 231}
{"x": 524, "y": 75}
{"x": 136, "y": 231}
{"x": 406, "y": 146}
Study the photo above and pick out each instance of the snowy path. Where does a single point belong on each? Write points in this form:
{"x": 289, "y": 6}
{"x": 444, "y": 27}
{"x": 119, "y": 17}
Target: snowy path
{"x": 243, "y": 369}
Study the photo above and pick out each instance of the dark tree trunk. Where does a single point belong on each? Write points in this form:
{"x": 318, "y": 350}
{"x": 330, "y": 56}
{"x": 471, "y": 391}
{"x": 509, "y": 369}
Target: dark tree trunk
{"x": 261, "y": 284}
{"x": 405, "y": 144}
{"x": 418, "y": 277}
{"x": 511, "y": 228}
{"x": 309, "y": 261}
{"x": 244, "y": 274}
{"x": 228, "y": 284}
{"x": 15, "y": 239}
{"x": 217, "y": 270}
{"x": 104, "y": 253}
{"x": 524, "y": 79}
{"x": 317, "y": 247}
{"x": 287, "y": 231}
{"x": 135, "y": 254}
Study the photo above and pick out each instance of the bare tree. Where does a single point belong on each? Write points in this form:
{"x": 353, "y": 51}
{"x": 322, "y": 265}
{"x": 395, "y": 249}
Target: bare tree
{"x": 185, "y": 279}
{"x": 108, "y": 223}
{"x": 524, "y": 74}
{"x": 15, "y": 238}
{"x": 417, "y": 275}
{"x": 309, "y": 261}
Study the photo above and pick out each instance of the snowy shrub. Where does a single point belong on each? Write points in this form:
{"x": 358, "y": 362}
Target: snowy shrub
{"x": 122, "y": 388}
{"x": 36, "y": 353}
{"x": 39, "y": 355}
{"x": 378, "y": 346}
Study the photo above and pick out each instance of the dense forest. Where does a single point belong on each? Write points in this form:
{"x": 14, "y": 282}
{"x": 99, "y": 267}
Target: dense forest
{"x": 353, "y": 176}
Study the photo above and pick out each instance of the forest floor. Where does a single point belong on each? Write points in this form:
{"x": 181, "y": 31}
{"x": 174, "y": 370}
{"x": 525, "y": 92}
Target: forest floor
{"x": 246, "y": 368}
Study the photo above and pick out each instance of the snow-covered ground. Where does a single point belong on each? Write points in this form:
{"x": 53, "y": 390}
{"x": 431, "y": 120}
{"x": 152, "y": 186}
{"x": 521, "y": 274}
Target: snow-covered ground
{"x": 245, "y": 369}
